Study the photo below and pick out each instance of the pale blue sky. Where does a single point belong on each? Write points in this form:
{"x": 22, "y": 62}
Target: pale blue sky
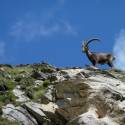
{"x": 53, "y": 30}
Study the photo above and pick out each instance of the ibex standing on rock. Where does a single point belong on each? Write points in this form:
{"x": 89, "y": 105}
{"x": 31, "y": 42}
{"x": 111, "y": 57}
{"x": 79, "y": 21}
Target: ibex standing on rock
{"x": 97, "y": 58}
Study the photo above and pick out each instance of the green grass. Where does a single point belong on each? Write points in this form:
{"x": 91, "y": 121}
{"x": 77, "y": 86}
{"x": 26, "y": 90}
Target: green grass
{"x": 4, "y": 121}
{"x": 7, "y": 97}
{"x": 43, "y": 67}
{"x": 26, "y": 82}
{"x": 35, "y": 93}
{"x": 10, "y": 84}
{"x": 46, "y": 83}
{"x": 105, "y": 72}
{"x": 38, "y": 95}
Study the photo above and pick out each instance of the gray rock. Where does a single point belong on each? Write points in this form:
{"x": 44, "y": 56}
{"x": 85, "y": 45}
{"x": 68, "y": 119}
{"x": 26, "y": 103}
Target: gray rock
{"x": 49, "y": 94}
{"x": 76, "y": 97}
{"x": 19, "y": 114}
{"x": 38, "y": 83}
{"x": 35, "y": 110}
{"x": 20, "y": 94}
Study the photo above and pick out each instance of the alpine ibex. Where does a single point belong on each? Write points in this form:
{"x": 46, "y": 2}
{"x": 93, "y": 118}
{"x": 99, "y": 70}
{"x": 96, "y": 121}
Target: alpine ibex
{"x": 97, "y": 58}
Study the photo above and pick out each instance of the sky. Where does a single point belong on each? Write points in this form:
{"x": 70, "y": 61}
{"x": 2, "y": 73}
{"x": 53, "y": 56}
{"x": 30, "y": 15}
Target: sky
{"x": 32, "y": 31}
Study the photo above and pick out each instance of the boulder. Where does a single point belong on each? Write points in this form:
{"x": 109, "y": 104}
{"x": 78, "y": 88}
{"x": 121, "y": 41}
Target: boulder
{"x": 48, "y": 95}
{"x": 18, "y": 114}
{"x": 35, "y": 110}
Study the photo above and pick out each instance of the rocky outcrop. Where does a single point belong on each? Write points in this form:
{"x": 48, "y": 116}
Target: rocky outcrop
{"x": 30, "y": 113}
{"x": 35, "y": 110}
{"x": 20, "y": 94}
{"x": 19, "y": 114}
{"x": 96, "y": 100}
{"x": 74, "y": 96}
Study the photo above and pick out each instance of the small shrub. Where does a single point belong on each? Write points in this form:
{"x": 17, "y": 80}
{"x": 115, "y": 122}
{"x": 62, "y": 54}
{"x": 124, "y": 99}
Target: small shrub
{"x": 52, "y": 78}
{"x": 38, "y": 94}
{"x": 18, "y": 79}
{"x": 1, "y": 104}
{"x": 35, "y": 74}
{"x": 29, "y": 92}
{"x": 46, "y": 83}
{"x": 11, "y": 97}
{"x": 47, "y": 70}
{"x": 1, "y": 112}
{"x": 10, "y": 85}
{"x": 7, "y": 97}
{"x": 3, "y": 88}
{"x": 26, "y": 82}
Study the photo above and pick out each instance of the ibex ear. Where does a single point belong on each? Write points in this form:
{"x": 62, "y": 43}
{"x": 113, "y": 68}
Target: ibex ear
{"x": 84, "y": 43}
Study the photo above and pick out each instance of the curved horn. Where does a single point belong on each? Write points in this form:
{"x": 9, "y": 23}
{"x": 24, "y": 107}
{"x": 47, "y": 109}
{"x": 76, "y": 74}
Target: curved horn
{"x": 89, "y": 41}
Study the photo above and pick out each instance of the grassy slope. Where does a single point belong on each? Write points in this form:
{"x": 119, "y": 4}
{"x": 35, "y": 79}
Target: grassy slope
{"x": 23, "y": 76}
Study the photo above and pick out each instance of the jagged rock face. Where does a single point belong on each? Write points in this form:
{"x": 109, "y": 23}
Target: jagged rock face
{"x": 96, "y": 100}
{"x": 73, "y": 97}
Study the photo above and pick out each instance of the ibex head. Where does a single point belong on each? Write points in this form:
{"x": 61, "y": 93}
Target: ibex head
{"x": 85, "y": 44}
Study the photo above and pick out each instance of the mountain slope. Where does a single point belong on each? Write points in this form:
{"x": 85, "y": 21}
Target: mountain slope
{"x": 41, "y": 94}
